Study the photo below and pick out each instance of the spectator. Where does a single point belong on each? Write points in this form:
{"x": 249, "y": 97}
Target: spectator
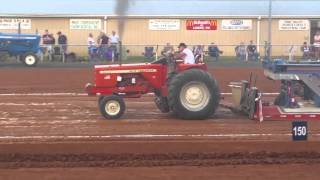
{"x": 92, "y": 49}
{"x": 52, "y": 41}
{"x": 316, "y": 45}
{"x": 47, "y": 40}
{"x": 198, "y": 53}
{"x": 306, "y": 51}
{"x": 252, "y": 52}
{"x": 291, "y": 52}
{"x": 114, "y": 39}
{"x": 46, "y": 37}
{"x": 214, "y": 51}
{"x": 167, "y": 49}
{"x": 62, "y": 42}
{"x": 241, "y": 52}
{"x": 103, "y": 41}
{"x": 185, "y": 54}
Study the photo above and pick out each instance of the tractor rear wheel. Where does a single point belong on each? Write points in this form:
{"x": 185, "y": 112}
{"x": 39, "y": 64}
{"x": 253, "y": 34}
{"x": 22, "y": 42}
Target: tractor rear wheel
{"x": 112, "y": 107}
{"x": 193, "y": 94}
{"x": 30, "y": 59}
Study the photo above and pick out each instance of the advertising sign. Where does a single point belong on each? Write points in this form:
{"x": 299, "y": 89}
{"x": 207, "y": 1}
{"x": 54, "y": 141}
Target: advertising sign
{"x": 12, "y": 23}
{"x": 88, "y": 24}
{"x": 236, "y": 24}
{"x": 293, "y": 25}
{"x": 164, "y": 24}
{"x": 201, "y": 24}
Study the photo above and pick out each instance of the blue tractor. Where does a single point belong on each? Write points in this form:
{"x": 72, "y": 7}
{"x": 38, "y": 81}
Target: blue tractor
{"x": 24, "y": 46}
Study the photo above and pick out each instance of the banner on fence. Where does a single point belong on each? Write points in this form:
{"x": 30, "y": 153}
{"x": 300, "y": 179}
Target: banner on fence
{"x": 88, "y": 24}
{"x": 201, "y": 24}
{"x": 293, "y": 25}
{"x": 236, "y": 24}
{"x": 164, "y": 24}
{"x": 13, "y": 23}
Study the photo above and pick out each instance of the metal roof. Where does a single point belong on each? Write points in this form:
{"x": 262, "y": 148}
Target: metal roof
{"x": 163, "y": 8}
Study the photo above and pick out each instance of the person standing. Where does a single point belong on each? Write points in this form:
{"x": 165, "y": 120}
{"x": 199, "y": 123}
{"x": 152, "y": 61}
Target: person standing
{"x": 91, "y": 46}
{"x": 306, "y": 51}
{"x": 114, "y": 40}
{"x": 47, "y": 40}
{"x": 241, "y": 51}
{"x": 103, "y": 41}
{"x": 62, "y": 42}
{"x": 316, "y": 45}
{"x": 252, "y": 51}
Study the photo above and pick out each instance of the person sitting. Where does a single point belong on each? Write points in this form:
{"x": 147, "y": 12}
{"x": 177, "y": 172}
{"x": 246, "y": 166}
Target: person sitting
{"x": 185, "y": 54}
{"x": 167, "y": 49}
{"x": 252, "y": 52}
{"x": 214, "y": 51}
{"x": 306, "y": 51}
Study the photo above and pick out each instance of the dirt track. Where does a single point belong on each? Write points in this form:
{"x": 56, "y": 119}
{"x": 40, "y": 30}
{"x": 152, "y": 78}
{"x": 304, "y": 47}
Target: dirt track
{"x": 63, "y": 137}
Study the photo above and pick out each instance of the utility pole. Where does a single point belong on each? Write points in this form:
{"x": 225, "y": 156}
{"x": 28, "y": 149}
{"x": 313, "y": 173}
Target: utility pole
{"x": 269, "y": 46}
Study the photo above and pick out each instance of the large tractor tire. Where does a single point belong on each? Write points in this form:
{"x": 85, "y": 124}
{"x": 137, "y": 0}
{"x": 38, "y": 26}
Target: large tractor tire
{"x": 30, "y": 59}
{"x": 193, "y": 94}
{"x": 111, "y": 107}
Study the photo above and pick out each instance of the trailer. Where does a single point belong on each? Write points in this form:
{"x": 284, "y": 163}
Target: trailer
{"x": 298, "y": 99}
{"x": 24, "y": 46}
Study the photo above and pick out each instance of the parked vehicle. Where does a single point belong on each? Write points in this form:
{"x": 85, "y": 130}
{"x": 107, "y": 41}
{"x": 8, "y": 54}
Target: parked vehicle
{"x": 24, "y": 46}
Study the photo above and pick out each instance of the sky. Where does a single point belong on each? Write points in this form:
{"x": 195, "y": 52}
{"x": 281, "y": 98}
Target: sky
{"x": 161, "y": 7}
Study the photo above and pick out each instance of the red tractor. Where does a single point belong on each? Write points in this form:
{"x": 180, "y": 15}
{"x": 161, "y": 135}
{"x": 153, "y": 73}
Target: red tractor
{"x": 187, "y": 90}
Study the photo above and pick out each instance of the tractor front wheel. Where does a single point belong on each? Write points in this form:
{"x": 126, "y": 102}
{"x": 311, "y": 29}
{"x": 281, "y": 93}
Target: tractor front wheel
{"x": 30, "y": 59}
{"x": 112, "y": 107}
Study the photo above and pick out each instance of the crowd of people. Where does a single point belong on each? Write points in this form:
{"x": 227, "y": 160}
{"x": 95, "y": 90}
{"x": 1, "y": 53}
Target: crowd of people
{"x": 49, "y": 42}
{"x": 309, "y": 51}
{"x": 106, "y": 47}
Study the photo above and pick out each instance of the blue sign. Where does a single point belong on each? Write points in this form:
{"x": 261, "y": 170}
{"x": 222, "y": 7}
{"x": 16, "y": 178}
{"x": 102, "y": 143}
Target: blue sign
{"x": 299, "y": 130}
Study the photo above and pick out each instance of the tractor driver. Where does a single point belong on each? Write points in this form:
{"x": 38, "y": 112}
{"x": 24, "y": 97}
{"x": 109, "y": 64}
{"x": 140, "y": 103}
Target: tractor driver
{"x": 185, "y": 54}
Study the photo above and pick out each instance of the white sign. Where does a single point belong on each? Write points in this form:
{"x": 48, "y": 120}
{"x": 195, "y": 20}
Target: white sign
{"x": 11, "y": 23}
{"x": 164, "y": 24}
{"x": 236, "y": 24}
{"x": 90, "y": 24}
{"x": 293, "y": 25}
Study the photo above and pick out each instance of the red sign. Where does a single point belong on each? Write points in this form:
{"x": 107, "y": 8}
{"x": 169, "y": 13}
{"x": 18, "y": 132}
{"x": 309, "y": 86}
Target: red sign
{"x": 201, "y": 24}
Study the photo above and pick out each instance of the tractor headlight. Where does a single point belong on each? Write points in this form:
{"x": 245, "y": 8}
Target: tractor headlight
{"x": 119, "y": 78}
{"x": 133, "y": 80}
